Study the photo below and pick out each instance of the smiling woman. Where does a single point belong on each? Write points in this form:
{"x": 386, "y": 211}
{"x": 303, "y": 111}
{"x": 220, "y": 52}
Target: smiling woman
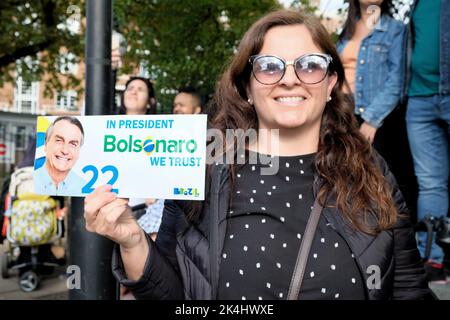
{"x": 315, "y": 228}
{"x": 138, "y": 97}
{"x": 294, "y": 98}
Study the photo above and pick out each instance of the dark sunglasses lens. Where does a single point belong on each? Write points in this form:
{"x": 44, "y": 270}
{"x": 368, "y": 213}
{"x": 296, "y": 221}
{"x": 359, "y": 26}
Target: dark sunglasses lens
{"x": 311, "y": 69}
{"x": 268, "y": 70}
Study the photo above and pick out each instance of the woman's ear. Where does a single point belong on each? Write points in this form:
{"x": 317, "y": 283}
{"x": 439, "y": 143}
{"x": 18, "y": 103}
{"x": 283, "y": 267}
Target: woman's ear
{"x": 332, "y": 80}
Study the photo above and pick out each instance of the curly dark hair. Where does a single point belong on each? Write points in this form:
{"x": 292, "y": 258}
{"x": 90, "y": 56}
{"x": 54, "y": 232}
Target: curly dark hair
{"x": 345, "y": 161}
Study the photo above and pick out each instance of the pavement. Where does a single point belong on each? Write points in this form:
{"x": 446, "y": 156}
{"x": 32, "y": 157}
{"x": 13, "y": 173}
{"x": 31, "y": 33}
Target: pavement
{"x": 50, "y": 288}
{"x": 442, "y": 291}
{"x": 54, "y": 287}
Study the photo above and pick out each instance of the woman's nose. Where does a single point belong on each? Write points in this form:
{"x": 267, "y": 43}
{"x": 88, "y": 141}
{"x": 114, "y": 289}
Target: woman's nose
{"x": 290, "y": 77}
{"x": 132, "y": 91}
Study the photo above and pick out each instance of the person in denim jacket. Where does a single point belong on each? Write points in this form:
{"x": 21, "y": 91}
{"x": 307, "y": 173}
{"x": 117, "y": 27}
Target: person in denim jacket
{"x": 428, "y": 114}
{"x": 371, "y": 49}
{"x": 372, "y": 52}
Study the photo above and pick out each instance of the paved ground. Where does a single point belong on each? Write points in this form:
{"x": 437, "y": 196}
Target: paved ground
{"x": 51, "y": 287}
{"x": 54, "y": 288}
{"x": 442, "y": 291}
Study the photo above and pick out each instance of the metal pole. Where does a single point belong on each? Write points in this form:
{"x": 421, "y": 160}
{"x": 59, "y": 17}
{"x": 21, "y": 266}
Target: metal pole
{"x": 90, "y": 252}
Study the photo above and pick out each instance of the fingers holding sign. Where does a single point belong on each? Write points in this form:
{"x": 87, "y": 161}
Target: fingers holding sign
{"x": 94, "y": 202}
{"x": 109, "y": 216}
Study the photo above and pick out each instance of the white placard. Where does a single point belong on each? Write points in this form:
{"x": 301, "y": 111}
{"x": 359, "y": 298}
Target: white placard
{"x": 151, "y": 156}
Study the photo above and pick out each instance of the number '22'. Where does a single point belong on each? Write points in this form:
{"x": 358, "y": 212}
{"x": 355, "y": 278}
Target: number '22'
{"x": 88, "y": 187}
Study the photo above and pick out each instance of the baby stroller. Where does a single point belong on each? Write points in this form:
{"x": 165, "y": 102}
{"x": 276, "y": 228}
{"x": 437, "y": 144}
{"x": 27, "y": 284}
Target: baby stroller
{"x": 31, "y": 225}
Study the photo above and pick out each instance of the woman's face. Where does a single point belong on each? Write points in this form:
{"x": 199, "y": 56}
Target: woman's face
{"x": 136, "y": 97}
{"x": 290, "y": 104}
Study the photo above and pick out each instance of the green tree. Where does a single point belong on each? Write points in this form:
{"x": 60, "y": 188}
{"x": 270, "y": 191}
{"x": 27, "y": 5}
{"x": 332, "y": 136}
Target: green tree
{"x": 304, "y": 5}
{"x": 182, "y": 43}
{"x": 33, "y": 35}
{"x": 185, "y": 43}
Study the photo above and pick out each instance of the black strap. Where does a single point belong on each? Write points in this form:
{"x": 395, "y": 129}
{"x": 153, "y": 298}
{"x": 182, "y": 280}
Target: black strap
{"x": 305, "y": 246}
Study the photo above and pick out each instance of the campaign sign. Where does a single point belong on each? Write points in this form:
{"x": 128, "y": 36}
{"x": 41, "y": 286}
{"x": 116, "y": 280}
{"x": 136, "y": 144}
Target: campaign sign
{"x": 149, "y": 156}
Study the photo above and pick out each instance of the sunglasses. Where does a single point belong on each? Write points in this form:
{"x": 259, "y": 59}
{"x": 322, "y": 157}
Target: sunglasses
{"x": 309, "y": 68}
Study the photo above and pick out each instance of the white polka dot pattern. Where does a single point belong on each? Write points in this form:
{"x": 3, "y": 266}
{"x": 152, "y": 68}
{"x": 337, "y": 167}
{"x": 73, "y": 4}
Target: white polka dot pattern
{"x": 264, "y": 231}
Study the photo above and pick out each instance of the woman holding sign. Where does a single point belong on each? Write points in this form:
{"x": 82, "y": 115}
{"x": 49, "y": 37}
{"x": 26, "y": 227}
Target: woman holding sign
{"x": 329, "y": 224}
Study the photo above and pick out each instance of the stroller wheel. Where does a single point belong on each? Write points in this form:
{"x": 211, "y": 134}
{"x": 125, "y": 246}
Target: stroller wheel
{"x": 29, "y": 281}
{"x": 4, "y": 265}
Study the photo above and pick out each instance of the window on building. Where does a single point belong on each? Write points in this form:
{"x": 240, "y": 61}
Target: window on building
{"x": 67, "y": 64}
{"x": 73, "y": 102}
{"x": 21, "y": 135}
{"x": 61, "y": 100}
{"x": 26, "y": 96}
{"x": 26, "y": 106}
{"x": 26, "y": 88}
{"x": 67, "y": 100}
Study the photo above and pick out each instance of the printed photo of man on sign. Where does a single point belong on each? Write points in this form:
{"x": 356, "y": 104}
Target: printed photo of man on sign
{"x": 76, "y": 155}
{"x": 63, "y": 140}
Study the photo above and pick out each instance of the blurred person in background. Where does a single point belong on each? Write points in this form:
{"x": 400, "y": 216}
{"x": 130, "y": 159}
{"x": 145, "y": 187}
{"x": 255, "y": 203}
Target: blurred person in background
{"x": 187, "y": 101}
{"x": 428, "y": 116}
{"x": 372, "y": 52}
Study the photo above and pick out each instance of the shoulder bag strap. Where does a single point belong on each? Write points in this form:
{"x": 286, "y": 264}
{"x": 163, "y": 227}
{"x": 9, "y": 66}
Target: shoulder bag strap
{"x": 305, "y": 246}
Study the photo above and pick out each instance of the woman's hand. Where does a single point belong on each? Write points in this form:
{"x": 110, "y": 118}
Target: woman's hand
{"x": 368, "y": 131}
{"x": 111, "y": 217}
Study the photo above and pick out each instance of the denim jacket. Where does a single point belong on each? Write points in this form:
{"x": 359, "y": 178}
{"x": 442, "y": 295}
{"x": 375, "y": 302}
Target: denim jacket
{"x": 444, "y": 66}
{"x": 380, "y": 70}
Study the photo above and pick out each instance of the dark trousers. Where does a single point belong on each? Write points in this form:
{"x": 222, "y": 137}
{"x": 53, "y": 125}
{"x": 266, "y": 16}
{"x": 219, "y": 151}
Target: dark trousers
{"x": 391, "y": 142}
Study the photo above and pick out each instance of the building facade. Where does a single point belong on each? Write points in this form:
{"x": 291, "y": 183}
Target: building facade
{"x": 20, "y": 104}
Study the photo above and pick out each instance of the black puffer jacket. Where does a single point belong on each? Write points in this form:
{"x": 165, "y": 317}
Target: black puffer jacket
{"x": 184, "y": 263}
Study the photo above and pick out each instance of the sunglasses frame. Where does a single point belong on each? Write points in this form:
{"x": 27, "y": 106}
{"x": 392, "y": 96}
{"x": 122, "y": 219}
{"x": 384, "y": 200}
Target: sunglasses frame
{"x": 327, "y": 58}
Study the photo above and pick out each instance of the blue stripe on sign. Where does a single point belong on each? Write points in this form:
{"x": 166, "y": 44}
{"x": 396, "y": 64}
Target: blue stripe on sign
{"x": 40, "y": 139}
{"x": 39, "y": 162}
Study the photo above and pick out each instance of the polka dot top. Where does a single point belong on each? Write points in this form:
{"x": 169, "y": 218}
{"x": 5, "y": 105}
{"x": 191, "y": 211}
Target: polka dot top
{"x": 265, "y": 225}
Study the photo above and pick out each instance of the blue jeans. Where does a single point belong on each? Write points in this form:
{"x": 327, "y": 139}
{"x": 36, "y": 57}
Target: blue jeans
{"x": 428, "y": 125}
